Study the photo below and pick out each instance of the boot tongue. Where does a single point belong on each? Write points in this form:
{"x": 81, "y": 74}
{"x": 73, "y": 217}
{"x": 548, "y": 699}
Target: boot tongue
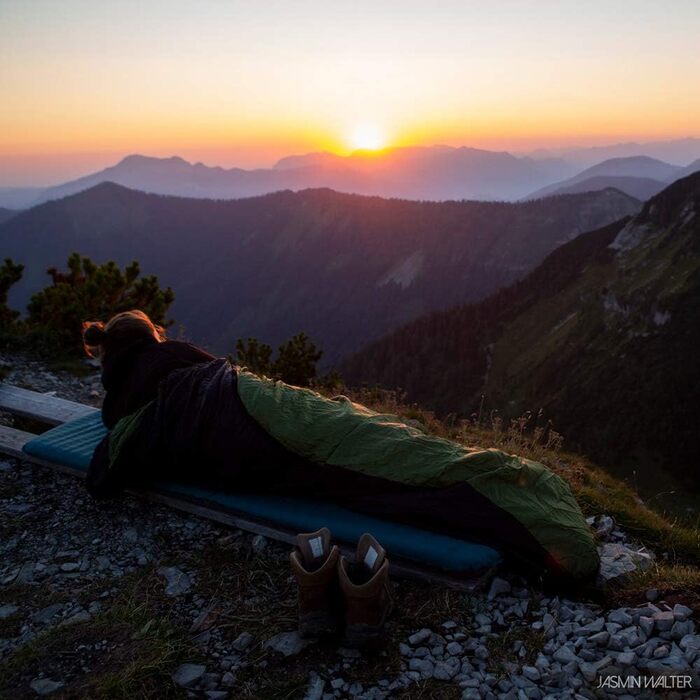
{"x": 314, "y": 546}
{"x": 370, "y": 554}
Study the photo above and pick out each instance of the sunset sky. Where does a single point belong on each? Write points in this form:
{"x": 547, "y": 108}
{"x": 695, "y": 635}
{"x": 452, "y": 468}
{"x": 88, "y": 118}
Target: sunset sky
{"x": 84, "y": 82}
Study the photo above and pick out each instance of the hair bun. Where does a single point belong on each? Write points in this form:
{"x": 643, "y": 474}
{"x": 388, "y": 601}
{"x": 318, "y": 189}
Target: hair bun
{"x": 94, "y": 334}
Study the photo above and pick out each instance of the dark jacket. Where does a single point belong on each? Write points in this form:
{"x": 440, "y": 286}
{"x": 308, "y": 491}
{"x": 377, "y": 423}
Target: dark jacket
{"x": 197, "y": 431}
{"x": 132, "y": 375}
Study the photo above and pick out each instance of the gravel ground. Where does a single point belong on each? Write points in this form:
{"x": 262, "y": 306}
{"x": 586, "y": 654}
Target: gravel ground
{"x": 132, "y": 599}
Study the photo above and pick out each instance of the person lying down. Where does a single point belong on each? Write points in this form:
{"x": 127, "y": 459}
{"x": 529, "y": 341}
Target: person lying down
{"x": 177, "y": 413}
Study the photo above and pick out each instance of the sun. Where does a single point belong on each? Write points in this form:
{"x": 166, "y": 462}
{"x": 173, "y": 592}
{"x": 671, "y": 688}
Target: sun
{"x": 367, "y": 137}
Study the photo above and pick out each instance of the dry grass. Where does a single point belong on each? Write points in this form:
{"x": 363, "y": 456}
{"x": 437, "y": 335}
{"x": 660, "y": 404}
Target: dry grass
{"x": 670, "y": 580}
{"x": 131, "y": 649}
{"x": 596, "y": 491}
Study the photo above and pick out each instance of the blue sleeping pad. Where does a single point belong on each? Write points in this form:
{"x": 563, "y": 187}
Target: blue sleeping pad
{"x": 73, "y": 443}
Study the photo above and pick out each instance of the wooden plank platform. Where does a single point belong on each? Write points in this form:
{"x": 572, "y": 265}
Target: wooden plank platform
{"x": 39, "y": 407}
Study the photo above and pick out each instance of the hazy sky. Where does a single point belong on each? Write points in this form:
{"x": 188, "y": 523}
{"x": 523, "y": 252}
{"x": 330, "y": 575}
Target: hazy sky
{"x": 83, "y": 82}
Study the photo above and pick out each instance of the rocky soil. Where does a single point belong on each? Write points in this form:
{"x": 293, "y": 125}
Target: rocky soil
{"x": 131, "y": 599}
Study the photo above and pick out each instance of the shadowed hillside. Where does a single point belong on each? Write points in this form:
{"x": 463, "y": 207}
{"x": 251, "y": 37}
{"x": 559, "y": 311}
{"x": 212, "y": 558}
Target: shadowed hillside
{"x": 343, "y": 268}
{"x": 603, "y": 335}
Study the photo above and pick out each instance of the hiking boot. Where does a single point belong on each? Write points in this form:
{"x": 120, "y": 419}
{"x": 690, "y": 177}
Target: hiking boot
{"x": 364, "y": 584}
{"x": 314, "y": 565}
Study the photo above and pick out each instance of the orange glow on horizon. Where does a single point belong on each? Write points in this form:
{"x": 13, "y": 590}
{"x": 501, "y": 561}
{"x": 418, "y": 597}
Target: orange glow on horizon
{"x": 241, "y": 84}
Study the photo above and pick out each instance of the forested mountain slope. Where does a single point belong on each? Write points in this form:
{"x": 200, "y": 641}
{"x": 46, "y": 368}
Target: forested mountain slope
{"x": 603, "y": 336}
{"x": 343, "y": 268}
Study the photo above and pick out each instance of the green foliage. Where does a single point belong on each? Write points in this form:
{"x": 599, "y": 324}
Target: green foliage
{"x": 10, "y": 273}
{"x": 254, "y": 355}
{"x": 296, "y": 360}
{"x": 295, "y": 363}
{"x": 91, "y": 292}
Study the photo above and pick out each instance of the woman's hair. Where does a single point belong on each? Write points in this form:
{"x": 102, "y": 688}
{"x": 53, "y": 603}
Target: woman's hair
{"x": 119, "y": 332}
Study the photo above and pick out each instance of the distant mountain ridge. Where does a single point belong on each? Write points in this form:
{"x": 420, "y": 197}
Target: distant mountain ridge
{"x": 676, "y": 151}
{"x": 633, "y": 167}
{"x": 343, "y": 268}
{"x": 602, "y": 336}
{"x": 641, "y": 188}
{"x": 436, "y": 173}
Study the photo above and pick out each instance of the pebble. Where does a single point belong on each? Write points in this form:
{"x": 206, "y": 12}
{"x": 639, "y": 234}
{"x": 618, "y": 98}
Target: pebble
{"x": 188, "y": 674}
{"x": 422, "y": 666}
{"x": 564, "y": 655}
{"x": 646, "y": 624}
{"x": 177, "y": 581}
{"x": 315, "y": 689}
{"x": 258, "y": 544}
{"x": 621, "y": 617}
{"x": 664, "y": 620}
{"x": 498, "y": 587}
{"x": 287, "y": 643}
{"x": 681, "y": 612}
{"x": 531, "y": 673}
{"x": 8, "y": 611}
{"x": 243, "y": 641}
{"x": 45, "y": 686}
{"x": 419, "y": 637}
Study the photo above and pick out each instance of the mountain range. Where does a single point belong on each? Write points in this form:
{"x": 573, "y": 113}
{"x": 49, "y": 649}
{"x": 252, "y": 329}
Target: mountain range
{"x": 603, "y": 336}
{"x": 437, "y": 173}
{"x": 638, "y": 176}
{"x": 676, "y": 151}
{"x": 343, "y": 268}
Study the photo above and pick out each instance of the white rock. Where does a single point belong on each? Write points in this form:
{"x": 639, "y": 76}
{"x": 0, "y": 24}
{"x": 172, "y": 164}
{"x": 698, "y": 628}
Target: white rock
{"x": 592, "y": 627}
{"x": 419, "y": 637}
{"x": 446, "y": 670}
{"x": 481, "y": 652}
{"x": 626, "y": 658}
{"x": 287, "y": 643}
{"x": 600, "y": 638}
{"x": 681, "y": 612}
{"x": 663, "y": 620}
{"x": 564, "y": 655}
{"x": 682, "y": 629}
{"x": 188, "y": 674}
{"x": 531, "y": 673}
{"x": 7, "y": 611}
{"x": 621, "y": 617}
{"x": 590, "y": 670}
{"x": 454, "y": 649}
{"x": 45, "y": 686}
{"x": 646, "y": 624}
{"x": 661, "y": 652}
{"x": 423, "y": 666}
{"x": 315, "y": 689}
{"x": 690, "y": 641}
{"x": 177, "y": 581}
{"x": 243, "y": 641}
{"x": 499, "y": 586}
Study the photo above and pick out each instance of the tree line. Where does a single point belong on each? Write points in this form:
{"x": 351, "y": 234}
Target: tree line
{"x": 52, "y": 326}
